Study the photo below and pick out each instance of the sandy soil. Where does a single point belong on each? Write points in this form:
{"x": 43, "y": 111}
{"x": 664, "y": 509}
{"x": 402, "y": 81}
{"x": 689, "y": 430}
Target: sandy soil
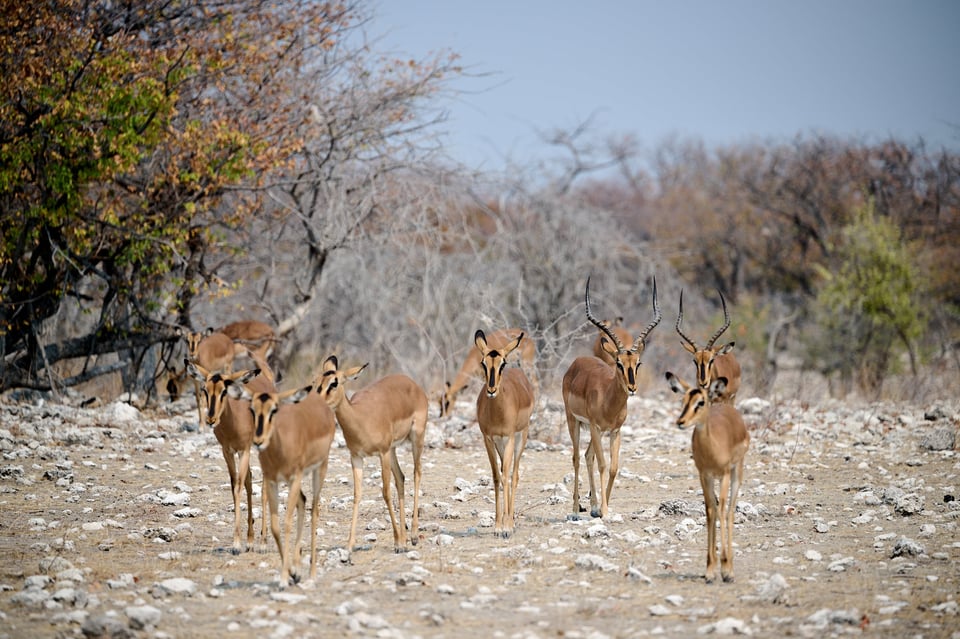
{"x": 847, "y": 525}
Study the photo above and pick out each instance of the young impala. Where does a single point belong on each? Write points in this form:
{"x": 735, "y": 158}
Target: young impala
{"x": 504, "y": 406}
{"x": 471, "y": 364}
{"x": 374, "y": 421}
{"x": 712, "y": 363}
{"x": 595, "y": 396}
{"x": 233, "y": 427}
{"x": 720, "y": 442}
{"x": 292, "y": 435}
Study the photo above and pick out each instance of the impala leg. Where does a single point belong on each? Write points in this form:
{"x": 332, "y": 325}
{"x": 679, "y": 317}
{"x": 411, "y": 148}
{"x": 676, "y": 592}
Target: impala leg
{"x": 595, "y": 453}
{"x": 710, "y": 504}
{"x": 386, "y": 470}
{"x": 522, "y": 436}
{"x": 270, "y": 487}
{"x": 506, "y": 476}
{"x": 613, "y": 469}
{"x": 263, "y": 514}
{"x": 574, "y": 428}
{"x": 247, "y": 474}
{"x": 399, "y": 542}
{"x": 726, "y": 558}
{"x": 235, "y": 488}
{"x": 291, "y": 556}
{"x": 497, "y": 480}
{"x": 724, "y": 530}
{"x": 417, "y": 444}
{"x": 319, "y": 474}
{"x": 356, "y": 462}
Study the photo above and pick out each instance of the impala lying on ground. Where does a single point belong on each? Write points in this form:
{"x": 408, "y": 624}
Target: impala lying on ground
{"x": 617, "y": 329}
{"x": 233, "y": 426}
{"x": 293, "y": 432}
{"x": 374, "y": 421}
{"x": 713, "y": 363}
{"x": 595, "y": 396}
{"x": 504, "y": 406}
{"x": 471, "y": 364}
{"x": 720, "y": 442}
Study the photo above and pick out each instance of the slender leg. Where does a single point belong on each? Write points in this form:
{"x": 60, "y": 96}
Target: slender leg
{"x": 245, "y": 472}
{"x": 726, "y": 565}
{"x": 595, "y": 450}
{"x": 291, "y": 556}
{"x": 614, "y": 467}
{"x": 231, "y": 462}
{"x": 416, "y": 443}
{"x": 710, "y": 504}
{"x": 319, "y": 475}
{"x": 495, "y": 472}
{"x": 270, "y": 487}
{"x": 574, "y": 428}
{"x": 399, "y": 480}
{"x": 506, "y": 475}
{"x": 385, "y": 472}
{"x": 357, "y": 462}
{"x": 522, "y": 436}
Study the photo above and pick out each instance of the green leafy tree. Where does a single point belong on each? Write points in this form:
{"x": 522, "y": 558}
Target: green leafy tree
{"x": 868, "y": 303}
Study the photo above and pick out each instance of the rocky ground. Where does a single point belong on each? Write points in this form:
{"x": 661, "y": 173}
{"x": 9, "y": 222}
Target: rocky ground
{"x": 116, "y": 522}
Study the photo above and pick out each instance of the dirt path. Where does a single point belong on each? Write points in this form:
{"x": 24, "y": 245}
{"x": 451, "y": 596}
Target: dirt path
{"x": 846, "y": 523}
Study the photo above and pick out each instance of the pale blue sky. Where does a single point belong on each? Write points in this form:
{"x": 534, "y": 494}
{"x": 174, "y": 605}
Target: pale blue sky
{"x": 725, "y": 72}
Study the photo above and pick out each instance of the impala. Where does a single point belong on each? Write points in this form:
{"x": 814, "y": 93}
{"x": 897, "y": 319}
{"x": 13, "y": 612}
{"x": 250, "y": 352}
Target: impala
{"x": 233, "y": 426}
{"x": 504, "y": 406}
{"x": 375, "y": 421}
{"x": 293, "y": 432}
{"x": 214, "y": 352}
{"x": 617, "y": 329}
{"x": 471, "y": 364}
{"x": 713, "y": 363}
{"x": 252, "y": 337}
{"x": 595, "y": 396}
{"x": 720, "y": 443}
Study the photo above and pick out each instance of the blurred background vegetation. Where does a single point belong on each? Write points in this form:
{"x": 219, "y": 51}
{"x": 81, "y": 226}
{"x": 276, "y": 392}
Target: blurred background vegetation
{"x": 168, "y": 164}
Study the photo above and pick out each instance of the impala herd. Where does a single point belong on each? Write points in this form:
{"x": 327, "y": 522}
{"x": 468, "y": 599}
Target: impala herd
{"x": 293, "y": 430}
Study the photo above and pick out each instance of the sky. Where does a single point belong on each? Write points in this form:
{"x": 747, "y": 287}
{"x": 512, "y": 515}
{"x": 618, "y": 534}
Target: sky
{"x": 722, "y": 72}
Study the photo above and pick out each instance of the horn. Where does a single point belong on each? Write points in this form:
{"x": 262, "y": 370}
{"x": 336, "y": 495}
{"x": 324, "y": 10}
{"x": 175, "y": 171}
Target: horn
{"x": 679, "y": 320}
{"x": 657, "y": 316}
{"x": 601, "y": 325}
{"x": 726, "y": 322}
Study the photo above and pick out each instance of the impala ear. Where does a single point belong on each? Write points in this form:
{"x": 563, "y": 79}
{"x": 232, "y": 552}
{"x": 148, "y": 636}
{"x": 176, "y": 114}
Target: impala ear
{"x": 354, "y": 372}
{"x": 248, "y": 375}
{"x": 726, "y": 348}
{"x": 296, "y": 396}
{"x": 512, "y": 346}
{"x": 608, "y": 346}
{"x": 677, "y": 385}
{"x": 330, "y": 364}
{"x": 717, "y": 387}
{"x": 689, "y": 348}
{"x": 480, "y": 340}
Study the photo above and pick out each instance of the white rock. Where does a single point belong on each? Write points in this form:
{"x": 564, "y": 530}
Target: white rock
{"x": 143, "y": 616}
{"x": 179, "y": 585}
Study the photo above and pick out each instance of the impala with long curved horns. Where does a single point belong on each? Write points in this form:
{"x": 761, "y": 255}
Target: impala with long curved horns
{"x": 595, "y": 396}
{"x": 714, "y": 363}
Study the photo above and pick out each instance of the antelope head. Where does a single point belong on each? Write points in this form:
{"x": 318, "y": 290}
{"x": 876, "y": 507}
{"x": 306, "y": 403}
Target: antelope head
{"x": 703, "y": 358}
{"x": 626, "y": 360}
{"x": 493, "y": 361}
